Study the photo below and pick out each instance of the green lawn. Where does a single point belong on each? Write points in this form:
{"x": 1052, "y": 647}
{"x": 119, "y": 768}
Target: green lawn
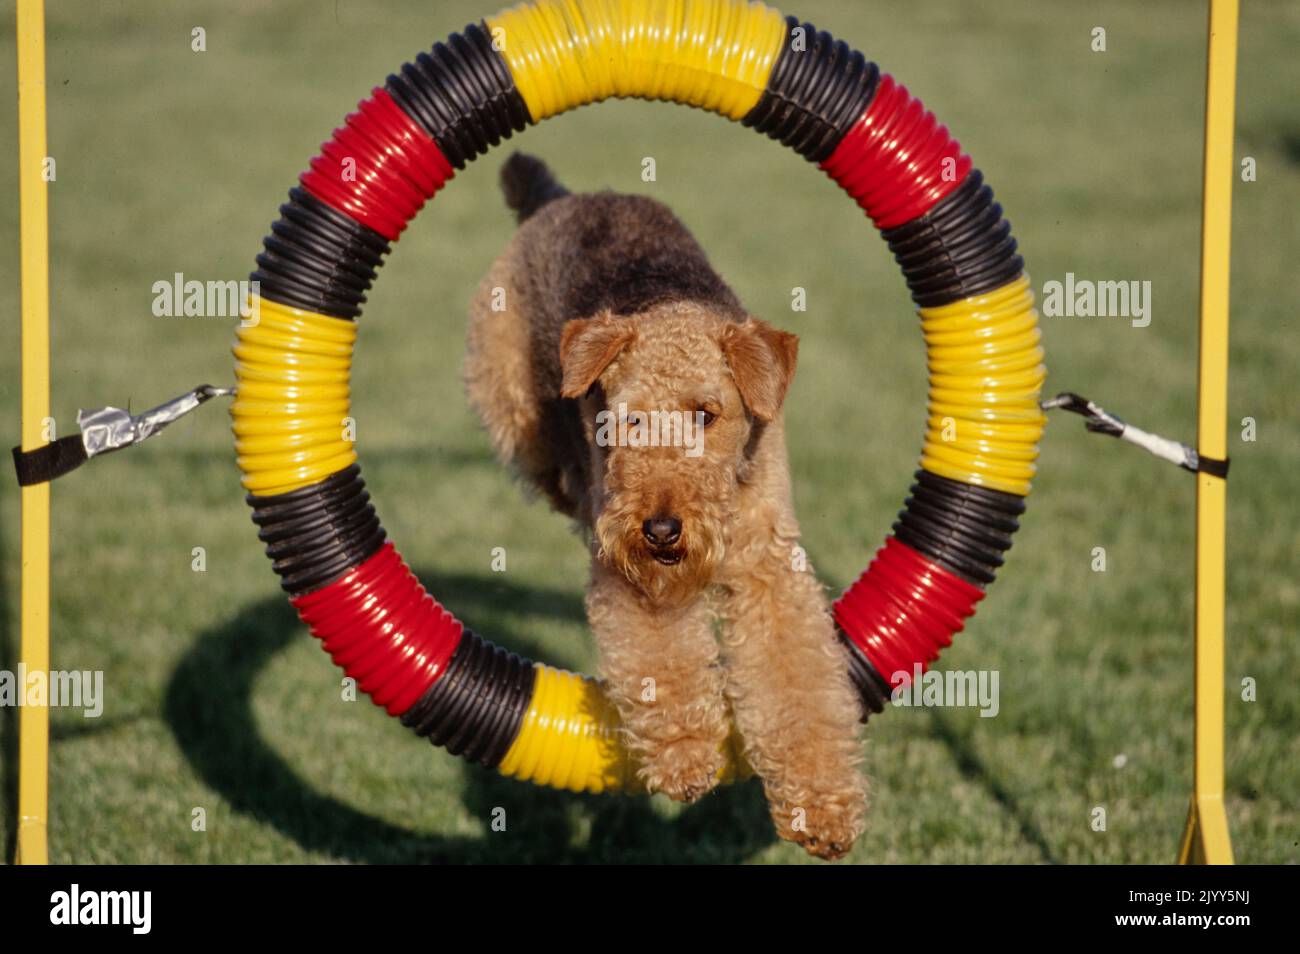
{"x": 172, "y": 161}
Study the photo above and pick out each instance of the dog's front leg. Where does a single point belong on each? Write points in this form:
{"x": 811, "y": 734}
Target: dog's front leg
{"x": 793, "y": 702}
{"x": 661, "y": 669}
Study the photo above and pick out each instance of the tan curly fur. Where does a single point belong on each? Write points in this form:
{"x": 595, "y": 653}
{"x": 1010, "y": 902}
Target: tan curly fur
{"x": 603, "y": 300}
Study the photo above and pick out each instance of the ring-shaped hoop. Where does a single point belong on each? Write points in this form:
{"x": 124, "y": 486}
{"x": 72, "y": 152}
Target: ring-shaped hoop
{"x": 745, "y": 61}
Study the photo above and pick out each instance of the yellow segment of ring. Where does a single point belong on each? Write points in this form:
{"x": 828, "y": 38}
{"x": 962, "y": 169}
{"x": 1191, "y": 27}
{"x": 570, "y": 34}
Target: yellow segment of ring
{"x": 569, "y": 739}
{"x": 715, "y": 54}
{"x": 986, "y": 375}
{"x": 291, "y": 397}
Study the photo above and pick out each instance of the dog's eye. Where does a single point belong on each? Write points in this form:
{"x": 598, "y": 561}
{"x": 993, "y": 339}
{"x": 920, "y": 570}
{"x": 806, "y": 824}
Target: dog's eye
{"x": 708, "y": 417}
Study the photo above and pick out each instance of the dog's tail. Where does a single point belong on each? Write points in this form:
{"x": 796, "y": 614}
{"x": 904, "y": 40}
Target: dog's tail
{"x": 528, "y": 185}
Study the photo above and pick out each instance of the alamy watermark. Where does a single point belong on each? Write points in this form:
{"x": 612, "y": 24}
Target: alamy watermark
{"x": 133, "y": 909}
{"x": 191, "y": 298}
{"x": 58, "y": 688}
{"x": 652, "y": 429}
{"x": 955, "y": 688}
{"x": 1083, "y": 298}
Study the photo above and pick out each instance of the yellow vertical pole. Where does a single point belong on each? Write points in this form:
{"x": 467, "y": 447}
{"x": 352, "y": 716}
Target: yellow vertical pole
{"x": 1206, "y": 839}
{"x": 34, "y": 721}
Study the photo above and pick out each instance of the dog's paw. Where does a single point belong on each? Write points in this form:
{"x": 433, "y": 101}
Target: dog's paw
{"x": 824, "y": 828}
{"x": 685, "y": 769}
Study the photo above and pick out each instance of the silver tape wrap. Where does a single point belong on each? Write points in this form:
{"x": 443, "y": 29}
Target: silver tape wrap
{"x": 112, "y": 428}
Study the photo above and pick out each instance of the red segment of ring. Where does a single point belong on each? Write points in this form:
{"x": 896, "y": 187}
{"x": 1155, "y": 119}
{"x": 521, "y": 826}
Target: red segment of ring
{"x": 904, "y": 610}
{"x": 384, "y": 629}
{"x": 379, "y": 168}
{"x": 892, "y": 160}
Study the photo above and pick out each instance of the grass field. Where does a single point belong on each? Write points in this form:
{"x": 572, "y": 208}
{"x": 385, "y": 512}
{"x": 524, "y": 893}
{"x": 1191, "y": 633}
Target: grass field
{"x": 174, "y": 161}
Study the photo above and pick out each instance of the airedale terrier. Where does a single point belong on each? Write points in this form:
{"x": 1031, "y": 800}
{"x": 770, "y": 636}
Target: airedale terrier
{"x": 619, "y": 375}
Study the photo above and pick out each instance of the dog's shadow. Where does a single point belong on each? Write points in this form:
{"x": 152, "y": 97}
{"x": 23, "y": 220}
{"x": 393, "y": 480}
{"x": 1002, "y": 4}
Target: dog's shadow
{"x": 209, "y": 708}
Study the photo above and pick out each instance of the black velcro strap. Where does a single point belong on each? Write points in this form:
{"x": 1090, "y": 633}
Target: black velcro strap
{"x": 1212, "y": 466}
{"x": 53, "y": 460}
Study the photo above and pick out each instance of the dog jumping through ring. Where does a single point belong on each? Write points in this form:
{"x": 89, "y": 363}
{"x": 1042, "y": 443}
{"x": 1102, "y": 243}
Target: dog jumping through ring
{"x": 601, "y": 321}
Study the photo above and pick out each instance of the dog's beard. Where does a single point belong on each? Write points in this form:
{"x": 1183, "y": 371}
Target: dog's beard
{"x": 622, "y": 547}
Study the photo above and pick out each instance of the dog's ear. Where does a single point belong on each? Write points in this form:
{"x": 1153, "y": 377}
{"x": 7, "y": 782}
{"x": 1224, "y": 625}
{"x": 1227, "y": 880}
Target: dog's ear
{"x": 587, "y": 346}
{"x": 762, "y": 360}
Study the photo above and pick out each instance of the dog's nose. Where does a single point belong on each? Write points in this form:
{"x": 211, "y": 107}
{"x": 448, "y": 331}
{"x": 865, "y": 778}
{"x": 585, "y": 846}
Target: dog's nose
{"x": 662, "y": 531}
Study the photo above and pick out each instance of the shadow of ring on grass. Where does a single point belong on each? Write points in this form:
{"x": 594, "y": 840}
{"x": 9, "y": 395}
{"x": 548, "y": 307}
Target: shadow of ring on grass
{"x": 209, "y": 708}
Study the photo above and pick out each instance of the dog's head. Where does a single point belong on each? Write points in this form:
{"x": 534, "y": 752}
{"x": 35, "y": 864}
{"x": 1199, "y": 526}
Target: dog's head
{"x": 674, "y": 403}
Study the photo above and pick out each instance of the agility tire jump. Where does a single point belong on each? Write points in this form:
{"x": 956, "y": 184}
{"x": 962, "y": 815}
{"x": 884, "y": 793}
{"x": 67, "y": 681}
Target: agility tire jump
{"x": 745, "y": 61}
